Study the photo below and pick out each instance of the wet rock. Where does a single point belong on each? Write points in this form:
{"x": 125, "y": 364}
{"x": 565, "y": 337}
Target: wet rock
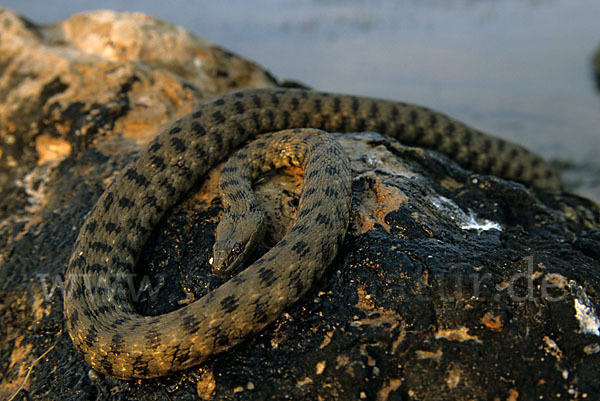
{"x": 450, "y": 285}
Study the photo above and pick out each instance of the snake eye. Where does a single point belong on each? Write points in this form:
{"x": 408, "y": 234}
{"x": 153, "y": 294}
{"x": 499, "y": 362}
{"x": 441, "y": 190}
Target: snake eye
{"x": 237, "y": 249}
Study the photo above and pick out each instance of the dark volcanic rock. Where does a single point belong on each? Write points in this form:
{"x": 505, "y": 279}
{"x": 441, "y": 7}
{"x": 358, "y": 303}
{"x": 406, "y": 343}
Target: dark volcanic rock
{"x": 449, "y": 286}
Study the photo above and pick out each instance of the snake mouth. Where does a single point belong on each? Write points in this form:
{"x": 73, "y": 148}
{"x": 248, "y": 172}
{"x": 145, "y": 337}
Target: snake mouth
{"x": 219, "y": 262}
{"x": 226, "y": 263}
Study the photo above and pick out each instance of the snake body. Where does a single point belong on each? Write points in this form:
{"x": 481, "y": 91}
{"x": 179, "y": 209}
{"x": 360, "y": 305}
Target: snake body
{"x": 116, "y": 340}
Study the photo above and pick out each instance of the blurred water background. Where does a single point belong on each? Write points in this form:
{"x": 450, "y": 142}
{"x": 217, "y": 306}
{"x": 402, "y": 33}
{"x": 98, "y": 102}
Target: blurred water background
{"x": 519, "y": 69}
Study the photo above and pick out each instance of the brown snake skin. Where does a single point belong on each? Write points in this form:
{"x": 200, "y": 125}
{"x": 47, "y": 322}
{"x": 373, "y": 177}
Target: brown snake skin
{"x": 116, "y": 340}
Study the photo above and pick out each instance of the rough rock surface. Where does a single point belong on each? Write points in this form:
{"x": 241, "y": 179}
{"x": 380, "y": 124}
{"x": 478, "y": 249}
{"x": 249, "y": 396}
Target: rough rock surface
{"x": 450, "y": 285}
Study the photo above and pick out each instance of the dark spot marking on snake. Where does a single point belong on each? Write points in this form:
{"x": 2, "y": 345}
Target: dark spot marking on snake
{"x": 361, "y": 125}
{"x": 331, "y": 170}
{"x": 116, "y": 343}
{"x": 198, "y": 129}
{"x": 178, "y": 144}
{"x": 239, "y": 107}
{"x": 270, "y": 258}
{"x": 152, "y": 201}
{"x": 108, "y": 201}
{"x": 300, "y": 247}
{"x": 373, "y": 110}
{"x": 286, "y": 118}
{"x": 200, "y": 152}
{"x": 197, "y": 114}
{"x": 237, "y": 280}
{"x": 169, "y": 188}
{"x": 305, "y": 120}
{"x": 433, "y": 120}
{"x": 275, "y": 99}
{"x": 487, "y": 164}
{"x": 181, "y": 355}
{"x": 310, "y": 191}
{"x": 74, "y": 317}
{"x": 318, "y": 106}
{"x": 257, "y": 101}
{"x": 229, "y": 303}
{"x": 231, "y": 169}
{"x": 93, "y": 268}
{"x": 238, "y": 195}
{"x": 91, "y": 226}
{"x": 336, "y": 104}
{"x": 190, "y": 323}
{"x": 330, "y": 192}
{"x": 260, "y": 312}
{"x": 313, "y": 174}
{"x": 80, "y": 291}
{"x": 229, "y": 183}
{"x": 218, "y": 117}
{"x": 270, "y": 116}
{"x": 501, "y": 146}
{"x": 107, "y": 365}
{"x": 304, "y": 212}
{"x": 175, "y": 130}
{"x": 266, "y": 276}
{"x": 118, "y": 322}
{"x": 296, "y": 283}
{"x": 486, "y": 145}
{"x": 299, "y": 228}
{"x": 454, "y": 149}
{"x": 413, "y": 116}
{"x": 323, "y": 219}
{"x": 112, "y": 228}
{"x": 157, "y": 162}
{"x": 354, "y": 105}
{"x": 91, "y": 336}
{"x": 140, "y": 364}
{"x": 126, "y": 203}
{"x": 153, "y": 337}
{"x": 518, "y": 170}
{"x": 381, "y": 126}
{"x": 100, "y": 247}
{"x": 133, "y": 176}
{"x": 155, "y": 147}
{"x": 467, "y": 138}
{"x": 294, "y": 102}
{"x": 281, "y": 243}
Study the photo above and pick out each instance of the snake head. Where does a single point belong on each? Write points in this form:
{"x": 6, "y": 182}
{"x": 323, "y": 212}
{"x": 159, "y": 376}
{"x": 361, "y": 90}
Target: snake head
{"x": 236, "y": 237}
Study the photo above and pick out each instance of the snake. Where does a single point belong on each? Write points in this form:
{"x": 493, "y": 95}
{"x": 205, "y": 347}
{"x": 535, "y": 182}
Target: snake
{"x": 105, "y": 327}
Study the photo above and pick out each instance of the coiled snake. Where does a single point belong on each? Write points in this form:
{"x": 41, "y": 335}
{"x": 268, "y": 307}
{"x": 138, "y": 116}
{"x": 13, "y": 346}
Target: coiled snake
{"x": 116, "y": 340}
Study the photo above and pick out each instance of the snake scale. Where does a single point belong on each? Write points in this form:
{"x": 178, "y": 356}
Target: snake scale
{"x": 118, "y": 341}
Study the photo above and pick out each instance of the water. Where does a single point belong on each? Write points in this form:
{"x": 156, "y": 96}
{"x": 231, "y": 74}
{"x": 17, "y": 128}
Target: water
{"x": 515, "y": 68}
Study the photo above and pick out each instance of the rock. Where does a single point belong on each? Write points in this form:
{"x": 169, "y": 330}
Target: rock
{"x": 99, "y": 73}
{"x": 450, "y": 285}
